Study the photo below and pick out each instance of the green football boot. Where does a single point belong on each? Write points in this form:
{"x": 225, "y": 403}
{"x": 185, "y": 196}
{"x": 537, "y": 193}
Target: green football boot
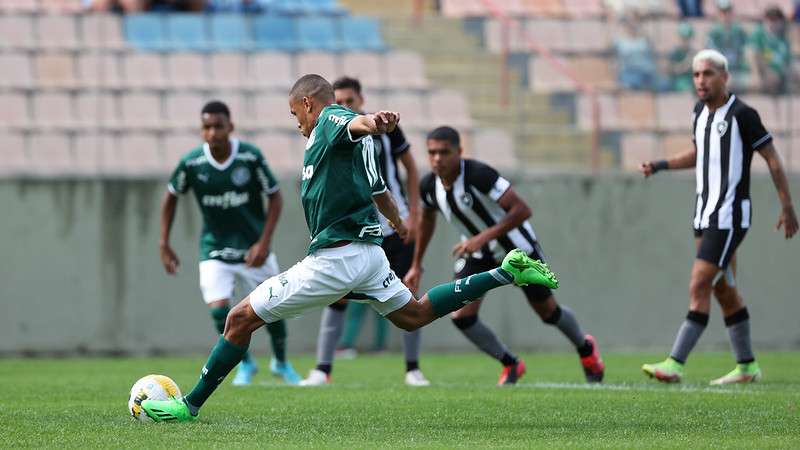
{"x": 667, "y": 371}
{"x": 527, "y": 270}
{"x": 174, "y": 409}
{"x": 743, "y": 373}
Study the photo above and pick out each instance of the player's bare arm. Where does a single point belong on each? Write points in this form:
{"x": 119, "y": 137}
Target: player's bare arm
{"x": 517, "y": 212}
{"x": 412, "y": 185}
{"x": 377, "y": 123}
{"x": 425, "y": 228}
{"x": 168, "y": 257}
{"x": 788, "y": 218}
{"x": 388, "y": 208}
{"x": 259, "y": 251}
{"x": 685, "y": 160}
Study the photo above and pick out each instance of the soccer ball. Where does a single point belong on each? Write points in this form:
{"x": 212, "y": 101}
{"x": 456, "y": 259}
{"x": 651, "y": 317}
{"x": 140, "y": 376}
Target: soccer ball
{"x": 151, "y": 387}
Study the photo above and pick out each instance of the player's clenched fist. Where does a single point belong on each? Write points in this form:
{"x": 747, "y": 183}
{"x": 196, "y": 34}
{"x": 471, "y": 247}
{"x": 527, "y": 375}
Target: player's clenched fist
{"x": 386, "y": 121}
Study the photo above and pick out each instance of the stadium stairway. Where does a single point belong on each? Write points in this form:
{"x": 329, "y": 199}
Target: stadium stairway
{"x": 542, "y": 126}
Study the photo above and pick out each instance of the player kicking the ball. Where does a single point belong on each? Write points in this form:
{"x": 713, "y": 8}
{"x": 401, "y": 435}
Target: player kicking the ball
{"x": 339, "y": 183}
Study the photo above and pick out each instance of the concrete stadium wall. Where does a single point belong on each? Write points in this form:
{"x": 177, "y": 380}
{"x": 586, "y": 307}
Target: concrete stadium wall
{"x": 81, "y": 272}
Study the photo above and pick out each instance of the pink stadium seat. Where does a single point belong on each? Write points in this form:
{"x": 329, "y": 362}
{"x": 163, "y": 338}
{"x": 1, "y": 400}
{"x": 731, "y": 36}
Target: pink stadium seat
{"x": 97, "y": 110}
{"x": 50, "y": 154}
{"x": 102, "y": 31}
{"x": 235, "y": 101}
{"x": 451, "y": 107}
{"x": 16, "y": 32}
{"x": 15, "y": 112}
{"x": 411, "y": 109}
{"x": 793, "y": 114}
{"x": 53, "y": 110}
{"x": 140, "y": 111}
{"x": 767, "y": 108}
{"x": 374, "y": 101}
{"x": 57, "y": 31}
{"x": 793, "y": 155}
{"x": 594, "y": 71}
{"x": 543, "y": 77}
{"x": 17, "y": 6}
{"x": 493, "y": 38}
{"x": 549, "y": 8}
{"x": 16, "y": 72}
{"x": 588, "y": 36}
{"x": 674, "y": 112}
{"x": 283, "y": 152}
{"x": 514, "y": 8}
{"x": 99, "y": 69}
{"x": 177, "y": 144}
{"x": 272, "y": 70}
{"x": 675, "y": 143}
{"x": 367, "y": 67}
{"x": 637, "y": 110}
{"x": 228, "y": 70}
{"x": 463, "y": 8}
{"x": 14, "y": 160}
{"x": 494, "y": 145}
{"x": 135, "y": 154}
{"x": 584, "y": 8}
{"x": 609, "y": 115}
{"x": 664, "y": 36}
{"x": 318, "y": 62}
{"x": 550, "y": 34}
{"x": 405, "y": 69}
{"x": 418, "y": 146}
{"x": 183, "y": 110}
{"x": 61, "y": 6}
{"x": 187, "y": 70}
{"x": 638, "y": 148}
{"x": 271, "y": 110}
{"x": 143, "y": 70}
{"x": 88, "y": 151}
{"x": 56, "y": 70}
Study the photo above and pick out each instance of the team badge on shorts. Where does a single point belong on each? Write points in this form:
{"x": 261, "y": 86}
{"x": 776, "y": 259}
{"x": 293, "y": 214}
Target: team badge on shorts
{"x": 722, "y": 127}
{"x": 240, "y": 176}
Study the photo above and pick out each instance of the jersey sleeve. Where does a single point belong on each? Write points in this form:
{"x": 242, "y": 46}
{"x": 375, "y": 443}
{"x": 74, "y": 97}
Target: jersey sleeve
{"x": 397, "y": 140}
{"x": 179, "y": 180}
{"x": 268, "y": 182}
{"x": 486, "y": 179}
{"x": 336, "y": 125}
{"x": 427, "y": 191}
{"x": 372, "y": 157}
{"x": 754, "y": 135}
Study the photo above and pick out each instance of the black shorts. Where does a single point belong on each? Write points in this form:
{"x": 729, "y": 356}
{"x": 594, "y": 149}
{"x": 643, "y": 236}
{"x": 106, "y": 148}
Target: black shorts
{"x": 470, "y": 266}
{"x": 398, "y": 254}
{"x": 718, "y": 246}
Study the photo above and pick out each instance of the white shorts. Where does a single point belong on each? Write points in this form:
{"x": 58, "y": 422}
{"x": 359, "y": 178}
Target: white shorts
{"x": 357, "y": 271}
{"x": 217, "y": 278}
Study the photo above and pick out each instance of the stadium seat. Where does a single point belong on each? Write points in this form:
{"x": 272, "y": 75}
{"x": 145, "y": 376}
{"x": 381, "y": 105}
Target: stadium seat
{"x": 16, "y": 72}
{"x": 767, "y": 109}
{"x": 56, "y": 70}
{"x": 463, "y": 8}
{"x": 638, "y": 148}
{"x": 87, "y": 152}
{"x": 405, "y": 69}
{"x": 637, "y": 110}
{"x": 97, "y": 111}
{"x": 675, "y": 143}
{"x": 289, "y": 7}
{"x": 448, "y": 106}
{"x": 19, "y": 6}
{"x": 177, "y": 144}
{"x": 230, "y": 32}
{"x": 793, "y": 154}
{"x": 271, "y": 110}
{"x": 16, "y": 32}
{"x": 53, "y": 110}
{"x": 186, "y": 32}
{"x": 544, "y": 77}
{"x": 548, "y": 33}
{"x": 141, "y": 111}
{"x": 411, "y": 108}
{"x": 62, "y": 6}
{"x": 374, "y": 100}
{"x": 235, "y": 100}
{"x": 275, "y": 32}
{"x": 281, "y": 150}
{"x": 272, "y": 70}
{"x": 102, "y": 31}
{"x": 360, "y": 33}
{"x": 588, "y": 36}
{"x": 144, "y": 70}
{"x": 321, "y": 63}
{"x": 145, "y": 31}
{"x": 318, "y": 33}
{"x": 674, "y": 112}
{"x": 99, "y": 69}
{"x": 609, "y": 115}
{"x": 183, "y": 110}
{"x": 135, "y": 154}
{"x": 493, "y": 36}
{"x": 187, "y": 70}
{"x": 324, "y": 7}
{"x": 595, "y": 71}
{"x": 228, "y": 70}
{"x": 494, "y": 145}
{"x": 57, "y": 31}
{"x": 15, "y": 113}
{"x": 50, "y": 154}
{"x": 584, "y": 8}
{"x": 793, "y": 113}
{"x": 15, "y": 154}
{"x": 367, "y": 67}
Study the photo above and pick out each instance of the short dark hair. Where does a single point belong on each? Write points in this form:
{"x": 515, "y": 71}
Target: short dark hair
{"x": 348, "y": 83}
{"x": 312, "y": 85}
{"x": 775, "y": 13}
{"x": 216, "y": 107}
{"x": 445, "y": 133}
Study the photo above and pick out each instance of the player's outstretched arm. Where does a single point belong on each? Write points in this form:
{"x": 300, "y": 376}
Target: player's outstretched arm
{"x": 378, "y": 123}
{"x": 425, "y": 228}
{"x": 685, "y": 160}
{"x": 168, "y": 257}
{"x": 388, "y": 208}
{"x": 788, "y": 218}
{"x": 258, "y": 252}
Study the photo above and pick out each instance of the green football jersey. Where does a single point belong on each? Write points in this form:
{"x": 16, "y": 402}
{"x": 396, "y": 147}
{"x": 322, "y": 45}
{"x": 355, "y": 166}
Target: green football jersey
{"x": 229, "y": 195}
{"x": 340, "y": 176}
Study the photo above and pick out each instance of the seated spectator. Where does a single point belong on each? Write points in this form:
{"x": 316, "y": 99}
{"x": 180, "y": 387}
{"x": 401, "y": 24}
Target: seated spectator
{"x": 636, "y": 63}
{"x": 771, "y": 53}
{"x": 680, "y": 60}
{"x": 729, "y": 38}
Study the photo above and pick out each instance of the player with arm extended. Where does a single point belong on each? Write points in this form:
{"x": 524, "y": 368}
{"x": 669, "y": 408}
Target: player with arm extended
{"x": 229, "y": 178}
{"x": 339, "y": 183}
{"x": 390, "y": 148}
{"x": 726, "y": 133}
{"x": 493, "y": 219}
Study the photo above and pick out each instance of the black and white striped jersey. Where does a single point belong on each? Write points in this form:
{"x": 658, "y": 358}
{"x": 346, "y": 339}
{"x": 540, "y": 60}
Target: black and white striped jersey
{"x": 725, "y": 140}
{"x": 471, "y": 205}
{"x": 390, "y": 147}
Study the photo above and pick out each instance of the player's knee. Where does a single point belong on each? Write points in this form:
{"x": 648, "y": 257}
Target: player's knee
{"x": 462, "y": 323}
{"x": 699, "y": 287}
{"x": 238, "y": 320}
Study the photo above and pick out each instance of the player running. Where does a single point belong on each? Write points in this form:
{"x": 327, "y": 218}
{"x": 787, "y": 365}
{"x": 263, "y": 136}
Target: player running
{"x": 339, "y": 183}
{"x": 726, "y": 132}
{"x": 228, "y": 178}
{"x": 390, "y": 148}
{"x": 493, "y": 220}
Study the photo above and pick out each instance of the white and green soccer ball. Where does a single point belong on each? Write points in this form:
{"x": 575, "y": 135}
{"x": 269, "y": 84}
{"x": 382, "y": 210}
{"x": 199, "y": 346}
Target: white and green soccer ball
{"x": 151, "y": 387}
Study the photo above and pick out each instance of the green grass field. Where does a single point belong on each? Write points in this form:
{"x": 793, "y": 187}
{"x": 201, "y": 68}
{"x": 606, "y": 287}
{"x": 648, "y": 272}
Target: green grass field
{"x": 82, "y": 403}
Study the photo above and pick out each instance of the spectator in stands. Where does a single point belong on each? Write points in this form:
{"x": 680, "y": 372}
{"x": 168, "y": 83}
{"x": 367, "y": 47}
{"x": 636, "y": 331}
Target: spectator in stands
{"x": 691, "y": 8}
{"x": 772, "y": 55}
{"x": 236, "y": 6}
{"x": 118, "y": 6}
{"x": 636, "y": 62}
{"x": 680, "y": 60}
{"x": 175, "y": 5}
{"x": 729, "y": 38}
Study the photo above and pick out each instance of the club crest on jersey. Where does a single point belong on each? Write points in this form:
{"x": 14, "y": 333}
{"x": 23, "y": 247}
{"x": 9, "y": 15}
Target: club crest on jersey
{"x": 240, "y": 176}
{"x": 722, "y": 127}
{"x": 466, "y": 199}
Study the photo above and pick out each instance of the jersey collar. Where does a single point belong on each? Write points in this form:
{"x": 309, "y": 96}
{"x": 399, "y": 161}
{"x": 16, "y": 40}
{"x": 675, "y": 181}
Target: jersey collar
{"x": 227, "y": 163}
